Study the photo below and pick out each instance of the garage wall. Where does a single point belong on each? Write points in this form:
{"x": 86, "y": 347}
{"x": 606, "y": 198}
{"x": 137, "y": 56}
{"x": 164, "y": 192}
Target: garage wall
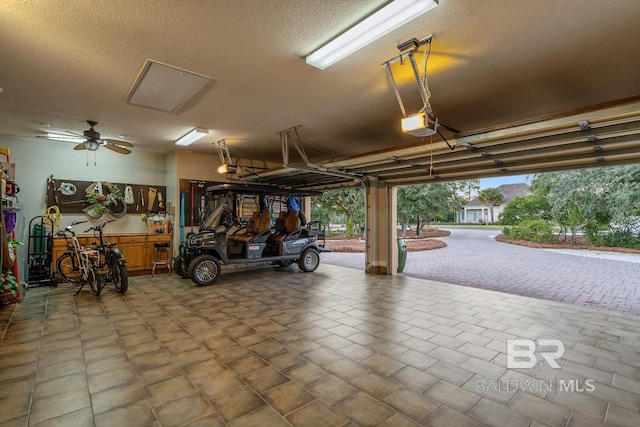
{"x": 37, "y": 159}
{"x": 195, "y": 167}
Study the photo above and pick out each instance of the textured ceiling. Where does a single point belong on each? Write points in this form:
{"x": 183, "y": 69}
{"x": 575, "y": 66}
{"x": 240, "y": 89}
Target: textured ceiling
{"x": 492, "y": 63}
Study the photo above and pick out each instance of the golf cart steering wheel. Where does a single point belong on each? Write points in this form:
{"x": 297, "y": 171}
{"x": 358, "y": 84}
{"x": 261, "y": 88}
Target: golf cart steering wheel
{"x": 229, "y": 220}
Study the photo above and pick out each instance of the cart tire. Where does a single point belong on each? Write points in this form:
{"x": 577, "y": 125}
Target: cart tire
{"x": 309, "y": 260}
{"x": 120, "y": 276}
{"x": 178, "y": 268}
{"x": 67, "y": 269}
{"x": 204, "y": 270}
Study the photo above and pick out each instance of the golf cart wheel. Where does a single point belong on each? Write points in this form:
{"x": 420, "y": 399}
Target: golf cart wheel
{"x": 179, "y": 268}
{"x": 204, "y": 270}
{"x": 285, "y": 264}
{"x": 309, "y": 260}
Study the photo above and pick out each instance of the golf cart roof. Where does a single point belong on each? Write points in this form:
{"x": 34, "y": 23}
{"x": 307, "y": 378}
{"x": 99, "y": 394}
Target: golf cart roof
{"x": 255, "y": 188}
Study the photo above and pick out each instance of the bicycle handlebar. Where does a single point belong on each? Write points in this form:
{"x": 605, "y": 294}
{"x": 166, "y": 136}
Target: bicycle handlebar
{"x": 62, "y": 232}
{"x": 99, "y": 228}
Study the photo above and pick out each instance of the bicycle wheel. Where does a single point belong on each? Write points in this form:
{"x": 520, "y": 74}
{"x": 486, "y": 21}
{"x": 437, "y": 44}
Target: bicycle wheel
{"x": 67, "y": 268}
{"x": 120, "y": 277}
{"x": 93, "y": 280}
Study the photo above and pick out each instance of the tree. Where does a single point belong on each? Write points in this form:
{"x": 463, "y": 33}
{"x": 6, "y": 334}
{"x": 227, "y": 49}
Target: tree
{"x": 323, "y": 213}
{"x": 468, "y": 188}
{"x": 490, "y": 197}
{"x": 425, "y": 202}
{"x": 531, "y": 206}
{"x": 594, "y": 200}
{"x": 348, "y": 202}
{"x": 565, "y": 193}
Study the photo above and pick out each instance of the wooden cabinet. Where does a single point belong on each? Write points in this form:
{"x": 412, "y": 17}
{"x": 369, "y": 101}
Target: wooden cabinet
{"x": 137, "y": 249}
{"x": 59, "y": 247}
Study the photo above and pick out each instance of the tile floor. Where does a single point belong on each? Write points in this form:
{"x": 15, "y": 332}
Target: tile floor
{"x": 276, "y": 347}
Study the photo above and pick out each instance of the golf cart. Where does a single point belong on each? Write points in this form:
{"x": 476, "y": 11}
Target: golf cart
{"x": 250, "y": 224}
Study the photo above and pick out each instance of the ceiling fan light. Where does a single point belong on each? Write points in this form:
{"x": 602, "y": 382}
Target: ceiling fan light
{"x": 385, "y": 20}
{"x": 91, "y": 145}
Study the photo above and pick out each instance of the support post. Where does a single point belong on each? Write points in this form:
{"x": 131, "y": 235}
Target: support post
{"x": 306, "y": 208}
{"x": 381, "y": 228}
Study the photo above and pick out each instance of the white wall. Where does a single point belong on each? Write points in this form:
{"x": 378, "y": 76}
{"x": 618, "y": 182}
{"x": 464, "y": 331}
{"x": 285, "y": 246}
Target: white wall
{"x": 37, "y": 159}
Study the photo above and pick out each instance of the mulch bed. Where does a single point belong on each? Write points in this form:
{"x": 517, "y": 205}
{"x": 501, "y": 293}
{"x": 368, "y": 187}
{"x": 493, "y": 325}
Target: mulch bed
{"x": 427, "y": 241}
{"x": 564, "y": 243}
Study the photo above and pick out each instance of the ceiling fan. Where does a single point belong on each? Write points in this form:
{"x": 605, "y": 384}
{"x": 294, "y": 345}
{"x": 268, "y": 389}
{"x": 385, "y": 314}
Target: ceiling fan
{"x": 90, "y": 140}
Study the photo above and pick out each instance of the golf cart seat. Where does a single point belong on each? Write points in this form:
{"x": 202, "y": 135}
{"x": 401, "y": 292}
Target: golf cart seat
{"x": 287, "y": 224}
{"x": 258, "y": 225}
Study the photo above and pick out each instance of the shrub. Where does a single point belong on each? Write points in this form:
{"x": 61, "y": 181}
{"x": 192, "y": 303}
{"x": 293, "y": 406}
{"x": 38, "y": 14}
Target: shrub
{"x": 614, "y": 239}
{"x": 535, "y": 230}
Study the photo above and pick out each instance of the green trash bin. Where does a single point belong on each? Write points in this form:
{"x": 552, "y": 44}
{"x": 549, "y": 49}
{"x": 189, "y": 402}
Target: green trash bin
{"x": 402, "y": 255}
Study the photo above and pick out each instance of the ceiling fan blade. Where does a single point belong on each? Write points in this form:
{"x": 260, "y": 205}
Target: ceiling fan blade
{"x": 118, "y": 149}
{"x": 80, "y": 146}
{"x": 118, "y": 142}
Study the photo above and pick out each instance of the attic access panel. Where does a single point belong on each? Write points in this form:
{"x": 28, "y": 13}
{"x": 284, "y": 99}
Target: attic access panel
{"x": 164, "y": 87}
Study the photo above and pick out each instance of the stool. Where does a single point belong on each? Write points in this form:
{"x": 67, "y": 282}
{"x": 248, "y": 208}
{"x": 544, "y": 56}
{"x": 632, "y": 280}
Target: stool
{"x": 160, "y": 249}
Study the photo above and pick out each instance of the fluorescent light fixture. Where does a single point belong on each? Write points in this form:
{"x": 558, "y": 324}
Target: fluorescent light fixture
{"x": 192, "y": 136}
{"x": 419, "y": 125}
{"x": 385, "y": 20}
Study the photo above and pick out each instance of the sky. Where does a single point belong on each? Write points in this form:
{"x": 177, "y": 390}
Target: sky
{"x": 495, "y": 182}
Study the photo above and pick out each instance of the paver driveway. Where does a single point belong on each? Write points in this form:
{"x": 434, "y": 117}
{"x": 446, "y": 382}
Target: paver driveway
{"x": 473, "y": 258}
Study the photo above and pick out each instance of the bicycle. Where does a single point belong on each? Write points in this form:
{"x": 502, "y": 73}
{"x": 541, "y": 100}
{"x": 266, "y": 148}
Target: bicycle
{"x": 80, "y": 265}
{"x": 96, "y": 266}
{"x": 112, "y": 264}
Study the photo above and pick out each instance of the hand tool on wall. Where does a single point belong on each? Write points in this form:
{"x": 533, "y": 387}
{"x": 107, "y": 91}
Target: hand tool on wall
{"x": 152, "y": 197}
{"x": 75, "y": 201}
{"x": 51, "y": 189}
{"x": 140, "y": 200}
{"x": 160, "y": 201}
